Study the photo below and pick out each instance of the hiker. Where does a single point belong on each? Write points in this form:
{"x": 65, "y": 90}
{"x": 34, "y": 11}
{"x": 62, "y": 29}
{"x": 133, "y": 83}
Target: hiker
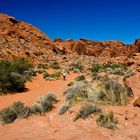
{"x": 64, "y": 76}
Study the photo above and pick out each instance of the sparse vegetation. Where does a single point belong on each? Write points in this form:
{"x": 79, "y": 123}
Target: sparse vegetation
{"x": 44, "y": 103}
{"x": 52, "y": 76}
{"x": 86, "y": 111}
{"x": 42, "y": 66}
{"x": 56, "y": 74}
{"x": 107, "y": 120}
{"x": 11, "y": 113}
{"x": 107, "y": 90}
{"x": 76, "y": 66}
{"x": 117, "y": 68}
{"x": 17, "y": 110}
{"x": 110, "y": 91}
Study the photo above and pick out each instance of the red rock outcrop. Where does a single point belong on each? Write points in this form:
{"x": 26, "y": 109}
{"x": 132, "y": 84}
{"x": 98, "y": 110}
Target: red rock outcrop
{"x": 21, "y": 39}
{"x": 18, "y": 38}
{"x": 97, "y": 48}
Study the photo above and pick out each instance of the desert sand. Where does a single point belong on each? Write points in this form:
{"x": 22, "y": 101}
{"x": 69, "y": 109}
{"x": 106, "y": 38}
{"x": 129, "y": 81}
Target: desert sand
{"x": 52, "y": 126}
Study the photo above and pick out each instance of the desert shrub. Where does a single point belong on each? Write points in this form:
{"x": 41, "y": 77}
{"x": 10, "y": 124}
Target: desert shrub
{"x": 42, "y": 66}
{"x": 64, "y": 108}
{"x": 20, "y": 110}
{"x": 30, "y": 73}
{"x": 86, "y": 111}
{"x": 113, "y": 65}
{"x": 107, "y": 120}
{"x": 95, "y": 76}
{"x": 36, "y": 108}
{"x": 55, "y": 65}
{"x": 7, "y": 115}
{"x": 78, "y": 91}
{"x": 80, "y": 78}
{"x": 106, "y": 90}
{"x": 111, "y": 91}
{"x": 56, "y": 74}
{"x": 13, "y": 75}
{"x": 20, "y": 65}
{"x": 95, "y": 67}
{"x": 11, "y": 113}
{"x": 76, "y": 65}
{"x": 12, "y": 82}
{"x": 44, "y": 103}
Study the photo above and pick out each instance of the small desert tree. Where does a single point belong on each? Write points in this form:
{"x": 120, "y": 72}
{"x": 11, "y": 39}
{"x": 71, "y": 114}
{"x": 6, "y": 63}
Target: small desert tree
{"x": 13, "y": 75}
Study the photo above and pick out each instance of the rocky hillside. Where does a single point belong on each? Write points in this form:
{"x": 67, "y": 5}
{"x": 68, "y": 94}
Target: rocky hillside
{"x": 22, "y": 39}
{"x": 97, "y": 48}
{"x": 18, "y": 38}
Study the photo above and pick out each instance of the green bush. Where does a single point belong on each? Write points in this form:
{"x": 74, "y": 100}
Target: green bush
{"x": 20, "y": 65}
{"x": 107, "y": 120}
{"x": 7, "y": 115}
{"x": 55, "y": 75}
{"x": 95, "y": 67}
{"x": 11, "y": 113}
{"x": 20, "y": 110}
{"x": 13, "y": 75}
{"x": 76, "y": 66}
{"x": 42, "y": 66}
{"x": 55, "y": 65}
{"x": 86, "y": 111}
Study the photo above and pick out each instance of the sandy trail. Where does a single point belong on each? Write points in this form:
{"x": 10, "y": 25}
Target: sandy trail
{"x": 37, "y": 87}
{"x": 55, "y": 127}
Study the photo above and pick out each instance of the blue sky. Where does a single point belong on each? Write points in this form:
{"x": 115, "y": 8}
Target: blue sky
{"x": 90, "y": 19}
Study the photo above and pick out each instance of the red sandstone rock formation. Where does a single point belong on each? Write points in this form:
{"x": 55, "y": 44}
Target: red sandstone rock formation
{"x": 97, "y": 48}
{"x": 22, "y": 39}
